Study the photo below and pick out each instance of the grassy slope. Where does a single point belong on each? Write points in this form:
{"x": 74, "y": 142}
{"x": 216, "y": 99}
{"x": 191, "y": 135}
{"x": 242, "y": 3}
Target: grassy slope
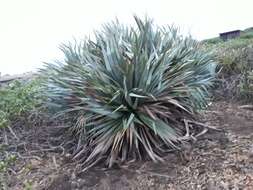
{"x": 235, "y": 57}
{"x": 245, "y": 35}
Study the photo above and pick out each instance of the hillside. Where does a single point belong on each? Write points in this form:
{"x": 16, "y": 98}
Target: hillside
{"x": 235, "y": 58}
{"x": 246, "y": 34}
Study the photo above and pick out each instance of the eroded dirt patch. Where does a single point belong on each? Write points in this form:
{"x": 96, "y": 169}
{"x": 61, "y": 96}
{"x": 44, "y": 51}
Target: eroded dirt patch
{"x": 218, "y": 160}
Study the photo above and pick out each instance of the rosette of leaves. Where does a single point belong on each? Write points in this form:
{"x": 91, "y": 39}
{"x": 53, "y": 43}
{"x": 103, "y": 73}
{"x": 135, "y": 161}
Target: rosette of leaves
{"x": 128, "y": 91}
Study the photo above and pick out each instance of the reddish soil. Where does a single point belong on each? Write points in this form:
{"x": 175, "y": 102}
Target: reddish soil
{"x": 219, "y": 160}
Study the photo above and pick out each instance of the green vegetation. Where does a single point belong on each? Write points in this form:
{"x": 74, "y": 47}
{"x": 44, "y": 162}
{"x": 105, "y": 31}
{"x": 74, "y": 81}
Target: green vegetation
{"x": 20, "y": 105}
{"x": 5, "y": 163}
{"x": 235, "y": 57}
{"x": 245, "y": 34}
{"x": 128, "y": 92}
{"x": 19, "y": 102}
{"x": 212, "y": 41}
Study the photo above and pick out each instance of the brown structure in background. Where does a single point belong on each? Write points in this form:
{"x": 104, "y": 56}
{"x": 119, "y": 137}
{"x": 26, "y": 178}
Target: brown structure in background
{"x": 230, "y": 35}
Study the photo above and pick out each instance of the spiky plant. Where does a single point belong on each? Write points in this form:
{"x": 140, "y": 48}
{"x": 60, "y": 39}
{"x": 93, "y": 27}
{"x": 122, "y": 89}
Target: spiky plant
{"x": 128, "y": 91}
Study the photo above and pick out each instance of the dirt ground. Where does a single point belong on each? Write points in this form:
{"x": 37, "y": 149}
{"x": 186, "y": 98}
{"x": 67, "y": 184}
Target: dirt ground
{"x": 221, "y": 160}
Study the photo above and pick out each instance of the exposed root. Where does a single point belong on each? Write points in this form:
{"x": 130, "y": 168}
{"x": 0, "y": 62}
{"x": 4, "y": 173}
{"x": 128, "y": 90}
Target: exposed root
{"x": 189, "y": 127}
{"x": 204, "y": 125}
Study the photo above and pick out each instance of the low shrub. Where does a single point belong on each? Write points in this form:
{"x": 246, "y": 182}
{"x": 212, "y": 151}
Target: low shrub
{"x": 20, "y": 102}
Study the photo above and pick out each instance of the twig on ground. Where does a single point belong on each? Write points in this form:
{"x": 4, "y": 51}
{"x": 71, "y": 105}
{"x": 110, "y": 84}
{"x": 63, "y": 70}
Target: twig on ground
{"x": 27, "y": 157}
{"x": 187, "y": 135}
{"x": 212, "y": 111}
{"x": 248, "y": 107}
{"x": 192, "y": 136}
{"x": 204, "y": 125}
{"x": 141, "y": 171}
{"x": 54, "y": 161}
{"x": 154, "y": 173}
{"x": 5, "y": 137}
{"x": 202, "y": 132}
{"x": 12, "y": 171}
{"x": 53, "y": 148}
{"x": 12, "y": 132}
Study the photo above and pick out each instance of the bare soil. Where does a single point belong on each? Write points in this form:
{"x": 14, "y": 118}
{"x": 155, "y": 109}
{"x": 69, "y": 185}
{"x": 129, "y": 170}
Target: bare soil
{"x": 219, "y": 160}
